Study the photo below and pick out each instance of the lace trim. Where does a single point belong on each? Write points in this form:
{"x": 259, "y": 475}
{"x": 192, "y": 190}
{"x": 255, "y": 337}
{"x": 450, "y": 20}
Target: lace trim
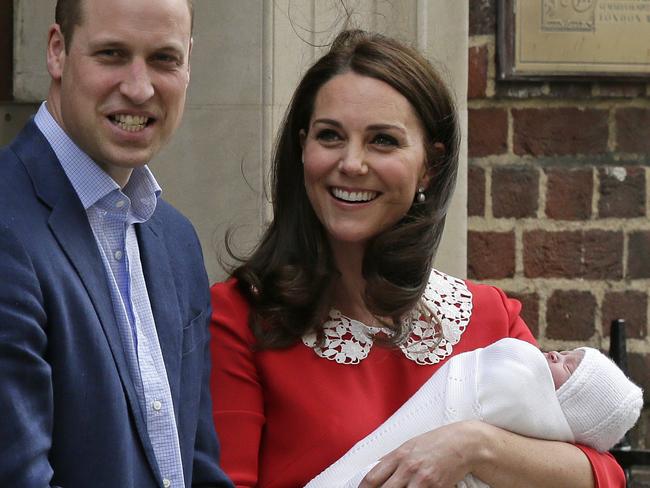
{"x": 445, "y": 299}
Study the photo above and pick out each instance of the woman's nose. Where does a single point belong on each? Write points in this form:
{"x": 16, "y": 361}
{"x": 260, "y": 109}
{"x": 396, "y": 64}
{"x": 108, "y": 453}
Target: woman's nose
{"x": 353, "y": 161}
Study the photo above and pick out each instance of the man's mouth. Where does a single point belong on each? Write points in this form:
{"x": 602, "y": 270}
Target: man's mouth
{"x": 353, "y": 196}
{"x": 130, "y": 123}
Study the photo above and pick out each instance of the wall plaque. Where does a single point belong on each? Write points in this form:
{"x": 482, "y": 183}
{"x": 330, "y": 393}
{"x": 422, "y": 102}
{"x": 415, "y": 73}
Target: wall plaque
{"x": 574, "y": 38}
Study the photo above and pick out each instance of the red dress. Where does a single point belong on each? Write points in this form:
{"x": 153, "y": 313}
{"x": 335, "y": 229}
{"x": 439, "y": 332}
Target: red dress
{"x": 283, "y": 416}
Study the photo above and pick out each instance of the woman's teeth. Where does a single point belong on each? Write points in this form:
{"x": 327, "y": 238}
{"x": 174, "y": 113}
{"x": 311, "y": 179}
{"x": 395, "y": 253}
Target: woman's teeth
{"x": 354, "y": 196}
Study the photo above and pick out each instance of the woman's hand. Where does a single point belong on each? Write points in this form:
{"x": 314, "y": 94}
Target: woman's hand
{"x": 438, "y": 459}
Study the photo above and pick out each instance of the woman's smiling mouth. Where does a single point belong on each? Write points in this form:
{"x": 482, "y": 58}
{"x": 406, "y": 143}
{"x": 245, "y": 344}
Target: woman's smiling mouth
{"x": 353, "y": 196}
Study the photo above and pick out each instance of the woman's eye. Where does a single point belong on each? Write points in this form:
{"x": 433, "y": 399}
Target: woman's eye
{"x": 328, "y": 135}
{"x": 385, "y": 140}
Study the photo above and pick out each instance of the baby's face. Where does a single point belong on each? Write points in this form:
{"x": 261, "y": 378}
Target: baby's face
{"x": 562, "y": 364}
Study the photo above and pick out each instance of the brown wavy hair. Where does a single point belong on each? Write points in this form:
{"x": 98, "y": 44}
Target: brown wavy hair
{"x": 287, "y": 277}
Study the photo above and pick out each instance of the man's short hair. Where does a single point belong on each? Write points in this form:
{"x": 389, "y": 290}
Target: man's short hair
{"x": 68, "y": 14}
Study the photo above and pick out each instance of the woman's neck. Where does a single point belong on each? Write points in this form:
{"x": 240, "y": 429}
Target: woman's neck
{"x": 349, "y": 288}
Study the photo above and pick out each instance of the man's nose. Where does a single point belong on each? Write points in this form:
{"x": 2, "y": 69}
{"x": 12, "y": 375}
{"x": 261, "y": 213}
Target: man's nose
{"x": 137, "y": 85}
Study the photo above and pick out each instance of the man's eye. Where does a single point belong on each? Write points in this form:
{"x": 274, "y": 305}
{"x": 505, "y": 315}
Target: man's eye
{"x": 384, "y": 140}
{"x": 109, "y": 53}
{"x": 166, "y": 58}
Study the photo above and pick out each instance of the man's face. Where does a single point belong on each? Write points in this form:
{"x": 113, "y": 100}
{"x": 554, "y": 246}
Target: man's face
{"x": 119, "y": 91}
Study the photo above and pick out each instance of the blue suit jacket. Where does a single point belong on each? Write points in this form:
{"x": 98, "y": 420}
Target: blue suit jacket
{"x": 69, "y": 414}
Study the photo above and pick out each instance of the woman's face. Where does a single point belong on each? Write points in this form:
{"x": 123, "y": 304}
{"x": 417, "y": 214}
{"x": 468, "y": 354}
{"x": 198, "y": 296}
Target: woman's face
{"x": 364, "y": 157}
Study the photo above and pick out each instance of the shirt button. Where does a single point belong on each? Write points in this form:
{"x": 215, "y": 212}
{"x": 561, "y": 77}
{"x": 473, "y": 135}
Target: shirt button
{"x": 157, "y": 405}
{"x": 118, "y": 255}
{"x": 166, "y": 483}
{"x": 120, "y": 203}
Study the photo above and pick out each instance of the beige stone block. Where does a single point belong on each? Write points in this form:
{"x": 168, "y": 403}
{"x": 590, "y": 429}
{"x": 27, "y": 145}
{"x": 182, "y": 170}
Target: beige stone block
{"x": 32, "y": 19}
{"x": 226, "y": 58}
{"x": 212, "y": 173}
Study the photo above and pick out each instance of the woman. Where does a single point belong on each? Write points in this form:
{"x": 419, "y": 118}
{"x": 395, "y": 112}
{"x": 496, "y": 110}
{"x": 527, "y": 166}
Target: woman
{"x": 336, "y": 318}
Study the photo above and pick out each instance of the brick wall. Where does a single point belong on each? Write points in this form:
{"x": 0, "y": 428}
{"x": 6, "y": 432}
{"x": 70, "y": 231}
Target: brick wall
{"x": 559, "y": 205}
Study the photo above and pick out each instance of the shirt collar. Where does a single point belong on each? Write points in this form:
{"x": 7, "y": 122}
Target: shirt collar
{"x": 90, "y": 182}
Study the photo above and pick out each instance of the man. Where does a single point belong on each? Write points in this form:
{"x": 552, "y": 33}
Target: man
{"x": 103, "y": 295}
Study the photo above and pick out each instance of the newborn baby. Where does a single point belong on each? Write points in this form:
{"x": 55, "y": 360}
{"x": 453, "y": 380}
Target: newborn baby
{"x": 573, "y": 396}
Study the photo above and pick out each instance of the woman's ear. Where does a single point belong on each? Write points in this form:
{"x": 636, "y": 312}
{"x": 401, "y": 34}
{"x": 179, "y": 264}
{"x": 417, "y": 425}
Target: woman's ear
{"x": 303, "y": 137}
{"x": 430, "y": 168}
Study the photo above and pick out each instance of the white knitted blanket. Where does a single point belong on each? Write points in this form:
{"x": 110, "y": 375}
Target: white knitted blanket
{"x": 507, "y": 384}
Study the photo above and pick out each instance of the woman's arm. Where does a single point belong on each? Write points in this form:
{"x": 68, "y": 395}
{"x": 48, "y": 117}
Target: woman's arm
{"x": 237, "y": 395}
{"x": 501, "y": 459}
{"x": 443, "y": 457}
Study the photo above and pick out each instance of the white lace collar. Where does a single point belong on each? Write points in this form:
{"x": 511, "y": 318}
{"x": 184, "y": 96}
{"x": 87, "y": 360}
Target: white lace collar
{"x": 348, "y": 341}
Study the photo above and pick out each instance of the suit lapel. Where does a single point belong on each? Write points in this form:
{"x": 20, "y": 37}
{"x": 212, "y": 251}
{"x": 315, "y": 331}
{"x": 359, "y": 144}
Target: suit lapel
{"x": 70, "y": 226}
{"x": 163, "y": 297}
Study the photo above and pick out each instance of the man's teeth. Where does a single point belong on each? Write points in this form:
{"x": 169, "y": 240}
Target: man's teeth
{"x": 131, "y": 123}
{"x": 354, "y": 196}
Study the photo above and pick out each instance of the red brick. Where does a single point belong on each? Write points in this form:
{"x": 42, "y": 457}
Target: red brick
{"x": 630, "y": 305}
{"x": 476, "y": 191}
{"x": 482, "y": 17}
{"x": 621, "y": 89}
{"x": 487, "y": 132}
{"x": 529, "y": 309}
{"x": 638, "y": 255}
{"x": 593, "y": 254}
{"x": 622, "y": 192}
{"x": 490, "y": 255}
{"x": 569, "y": 193}
{"x": 570, "y": 315}
{"x": 602, "y": 255}
{"x": 515, "y": 192}
{"x": 552, "y": 254}
{"x": 478, "y": 72}
{"x": 560, "y": 131}
{"x": 633, "y": 130}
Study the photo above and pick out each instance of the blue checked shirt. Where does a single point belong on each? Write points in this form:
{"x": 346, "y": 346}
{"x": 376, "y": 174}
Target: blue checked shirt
{"x": 112, "y": 213}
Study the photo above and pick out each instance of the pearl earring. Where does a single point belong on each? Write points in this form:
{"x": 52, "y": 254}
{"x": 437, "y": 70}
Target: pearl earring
{"x": 420, "y": 197}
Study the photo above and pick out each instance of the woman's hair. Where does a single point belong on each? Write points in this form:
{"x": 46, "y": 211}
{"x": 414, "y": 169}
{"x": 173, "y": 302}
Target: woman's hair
{"x": 287, "y": 278}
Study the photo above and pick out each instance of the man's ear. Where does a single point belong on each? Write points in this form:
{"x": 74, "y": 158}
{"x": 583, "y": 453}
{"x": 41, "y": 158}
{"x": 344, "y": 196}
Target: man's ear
{"x": 55, "y": 52}
{"x": 189, "y": 57}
